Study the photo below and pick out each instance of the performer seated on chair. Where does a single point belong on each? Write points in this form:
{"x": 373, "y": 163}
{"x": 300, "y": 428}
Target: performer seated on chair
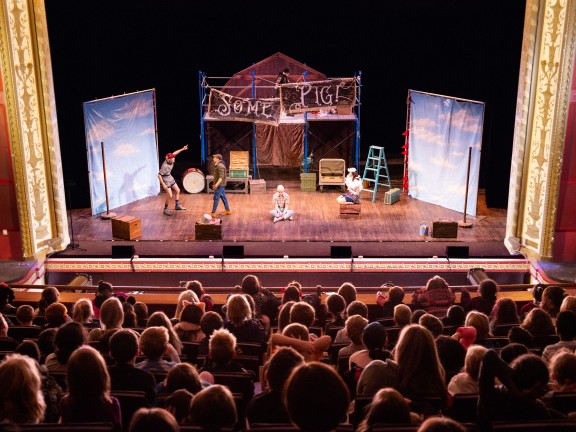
{"x": 354, "y": 187}
{"x": 280, "y": 200}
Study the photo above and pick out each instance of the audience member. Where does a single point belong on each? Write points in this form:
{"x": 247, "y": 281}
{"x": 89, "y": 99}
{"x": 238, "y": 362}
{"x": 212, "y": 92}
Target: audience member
{"x": 123, "y": 375}
{"x": 104, "y": 291}
{"x": 268, "y": 406}
{"x": 316, "y": 397}
{"x": 182, "y": 376}
{"x": 467, "y": 381}
{"x": 455, "y": 316}
{"x": 566, "y": 331}
{"x": 537, "y": 291}
{"x": 452, "y": 356}
{"x": 68, "y": 339}
{"x": 7, "y": 343}
{"x": 159, "y": 318}
{"x": 213, "y": 408}
{"x": 46, "y": 341}
{"x": 111, "y": 319}
{"x": 222, "y": 353}
{"x": 266, "y": 303}
{"x": 539, "y": 323}
{"x": 188, "y": 296}
{"x": 403, "y": 315}
{"x": 481, "y": 323}
{"x": 153, "y": 345}
{"x": 441, "y": 424}
{"x": 355, "y": 308}
{"x": 432, "y": 323}
{"x": 569, "y": 303}
{"x": 196, "y": 286}
{"x": 520, "y": 335}
{"x": 388, "y": 407}
{"x": 83, "y": 312}
{"x": 348, "y": 292}
{"x": 389, "y": 302}
{"x": 303, "y": 313}
{"x": 88, "y": 399}
{"x": 297, "y": 336}
{"x": 130, "y": 320}
{"x": 504, "y": 312}
{"x": 240, "y": 322}
{"x": 437, "y": 295}
{"x": 188, "y": 329}
{"x": 141, "y": 311}
{"x": 49, "y": 295}
{"x": 484, "y": 302}
{"x": 178, "y": 403}
{"x": 25, "y": 315}
{"x": 56, "y": 314}
{"x": 284, "y": 315}
{"x": 512, "y": 351}
{"x": 6, "y": 299}
{"x": 355, "y": 326}
{"x": 209, "y": 322}
{"x": 563, "y": 371}
{"x": 375, "y": 339}
{"x": 336, "y": 308}
{"x": 415, "y": 317}
{"x": 552, "y": 298}
{"x": 153, "y": 420}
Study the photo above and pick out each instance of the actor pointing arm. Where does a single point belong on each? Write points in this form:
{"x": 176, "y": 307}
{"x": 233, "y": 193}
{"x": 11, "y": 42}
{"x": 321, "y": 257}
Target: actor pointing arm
{"x": 167, "y": 181}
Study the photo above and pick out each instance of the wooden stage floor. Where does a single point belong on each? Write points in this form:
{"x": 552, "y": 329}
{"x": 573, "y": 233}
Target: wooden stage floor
{"x": 382, "y": 230}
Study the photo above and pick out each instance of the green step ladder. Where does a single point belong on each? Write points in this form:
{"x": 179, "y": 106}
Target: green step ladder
{"x": 375, "y": 171}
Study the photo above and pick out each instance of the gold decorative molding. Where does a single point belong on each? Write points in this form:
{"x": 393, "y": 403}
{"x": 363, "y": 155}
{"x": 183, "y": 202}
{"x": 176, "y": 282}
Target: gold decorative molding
{"x": 26, "y": 68}
{"x": 543, "y": 95}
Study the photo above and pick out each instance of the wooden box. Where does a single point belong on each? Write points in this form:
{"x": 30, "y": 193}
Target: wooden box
{"x": 392, "y": 196}
{"x": 308, "y": 182}
{"x": 239, "y": 160}
{"x": 126, "y": 227}
{"x": 257, "y": 186}
{"x": 444, "y": 229}
{"x": 238, "y": 173}
{"x": 208, "y": 231}
{"x": 350, "y": 211}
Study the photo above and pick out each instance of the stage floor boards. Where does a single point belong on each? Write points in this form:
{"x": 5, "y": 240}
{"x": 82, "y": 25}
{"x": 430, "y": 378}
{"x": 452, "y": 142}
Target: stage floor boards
{"x": 316, "y": 220}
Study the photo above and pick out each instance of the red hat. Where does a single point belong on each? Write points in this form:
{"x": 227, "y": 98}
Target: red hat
{"x": 170, "y": 155}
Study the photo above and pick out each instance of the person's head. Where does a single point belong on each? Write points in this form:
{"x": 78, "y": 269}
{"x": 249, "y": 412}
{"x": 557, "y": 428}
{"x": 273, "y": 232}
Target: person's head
{"x": 123, "y": 346}
{"x": 192, "y": 313}
{"x": 537, "y": 291}
{"x": 480, "y": 322}
{"x": 213, "y": 407}
{"x": 296, "y": 331}
{"x": 170, "y": 158}
{"x": 87, "y": 377}
{"x": 209, "y": 322}
{"x": 520, "y": 335}
{"x": 473, "y": 360}
{"x": 455, "y": 315}
{"x": 488, "y": 289}
{"x": 56, "y": 314}
{"x": 396, "y": 295}
{"x": 505, "y": 311}
{"x": 111, "y": 314}
{"x": 69, "y": 338}
{"x": 388, "y": 406}
{"x": 6, "y": 294}
{"x": 153, "y": 342}
{"x": 251, "y": 285}
{"x": 46, "y": 340}
{"x": 416, "y": 316}
{"x": 179, "y": 403}
{"x": 183, "y": 376}
{"x": 153, "y": 420}
{"x": 316, "y": 397}
{"x": 375, "y": 339}
{"x": 284, "y": 315}
{"x": 281, "y": 365}
{"x": 216, "y": 158}
{"x": 302, "y": 313}
{"x": 104, "y": 291}
{"x": 432, "y": 323}
{"x": 451, "y": 354}
{"x": 130, "y": 320}
{"x": 238, "y": 309}
{"x": 222, "y": 346}
{"x": 529, "y": 371}
{"x": 188, "y": 296}
{"x": 141, "y": 311}
{"x": 348, "y": 291}
{"x": 355, "y": 326}
{"x": 563, "y": 368}
{"x": 25, "y": 315}
{"x": 291, "y": 293}
{"x": 402, "y": 315}
{"x": 159, "y": 318}
{"x": 3, "y": 326}
{"x": 21, "y": 399}
{"x": 286, "y": 71}
{"x": 538, "y": 322}
{"x": 30, "y": 349}
{"x": 336, "y": 305}
{"x": 512, "y": 351}
{"x": 568, "y": 304}
{"x": 49, "y": 295}
{"x": 552, "y": 298}
{"x": 82, "y": 312}
{"x": 435, "y": 283}
{"x": 357, "y": 307}
{"x": 441, "y": 424}
{"x": 280, "y": 189}
{"x": 566, "y": 325}
{"x": 196, "y": 287}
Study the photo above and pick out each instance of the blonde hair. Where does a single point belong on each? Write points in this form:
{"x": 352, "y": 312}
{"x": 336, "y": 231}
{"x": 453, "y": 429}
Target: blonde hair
{"x": 159, "y": 318}
{"x": 187, "y": 295}
{"x": 480, "y": 322}
{"x": 87, "y": 378}
{"x": 355, "y": 325}
{"x": 111, "y": 314}
{"x": 82, "y": 311}
{"x": 21, "y": 399}
{"x": 238, "y": 309}
{"x": 222, "y": 346}
{"x": 568, "y": 304}
{"x": 402, "y": 315}
{"x": 153, "y": 342}
{"x": 473, "y": 360}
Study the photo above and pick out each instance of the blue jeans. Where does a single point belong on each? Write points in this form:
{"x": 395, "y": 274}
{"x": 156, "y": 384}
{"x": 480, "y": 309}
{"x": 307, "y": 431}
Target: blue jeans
{"x": 220, "y": 194}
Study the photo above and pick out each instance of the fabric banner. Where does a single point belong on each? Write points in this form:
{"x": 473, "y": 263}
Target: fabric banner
{"x": 127, "y": 127}
{"x": 227, "y": 107}
{"x": 442, "y": 129}
{"x": 337, "y": 93}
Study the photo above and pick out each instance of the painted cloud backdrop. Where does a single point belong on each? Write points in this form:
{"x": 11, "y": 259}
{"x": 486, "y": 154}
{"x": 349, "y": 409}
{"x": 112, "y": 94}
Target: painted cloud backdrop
{"x": 442, "y": 129}
{"x": 126, "y": 126}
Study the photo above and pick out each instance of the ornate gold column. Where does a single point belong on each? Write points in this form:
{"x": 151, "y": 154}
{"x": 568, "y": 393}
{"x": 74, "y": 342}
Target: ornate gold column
{"x": 543, "y": 97}
{"x": 33, "y": 128}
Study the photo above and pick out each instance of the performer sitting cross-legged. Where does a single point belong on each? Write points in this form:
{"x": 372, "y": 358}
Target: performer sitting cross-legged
{"x": 280, "y": 200}
{"x": 354, "y": 184}
{"x": 167, "y": 181}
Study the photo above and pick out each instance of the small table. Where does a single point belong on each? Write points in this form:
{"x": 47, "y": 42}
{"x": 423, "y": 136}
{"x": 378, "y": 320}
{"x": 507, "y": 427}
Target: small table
{"x": 244, "y": 180}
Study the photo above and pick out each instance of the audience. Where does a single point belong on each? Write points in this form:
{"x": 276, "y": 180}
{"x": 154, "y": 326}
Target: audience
{"x": 7, "y": 343}
{"x": 467, "y": 381}
{"x": 537, "y": 291}
{"x": 160, "y": 319}
{"x": 209, "y": 322}
{"x": 68, "y": 339}
{"x": 355, "y": 308}
{"x": 6, "y": 299}
{"x": 336, "y": 308}
{"x": 25, "y": 315}
{"x": 348, "y": 292}
{"x": 187, "y": 296}
{"x": 240, "y": 322}
{"x": 484, "y": 302}
{"x": 504, "y": 312}
{"x": 153, "y": 420}
{"x": 388, "y": 407}
{"x": 83, "y": 312}
{"x": 213, "y": 408}
{"x": 49, "y": 295}
{"x": 539, "y": 323}
{"x": 265, "y": 302}
{"x": 111, "y": 319}
{"x": 198, "y": 289}
{"x": 455, "y": 316}
{"x": 188, "y": 329}
{"x": 563, "y": 371}
{"x": 436, "y": 295}
{"x": 566, "y": 331}
{"x": 153, "y": 345}
{"x": 552, "y": 298}
{"x": 104, "y": 291}
{"x": 432, "y": 323}
{"x": 354, "y": 329}
{"x": 389, "y": 302}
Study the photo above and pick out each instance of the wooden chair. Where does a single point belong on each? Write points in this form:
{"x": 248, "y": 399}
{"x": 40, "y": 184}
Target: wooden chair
{"x": 361, "y": 406}
{"x": 387, "y": 427}
{"x": 393, "y": 334}
{"x": 386, "y": 322}
{"x": 565, "y": 402}
{"x": 24, "y": 332}
{"x": 65, "y": 427}
{"x": 317, "y": 330}
{"x": 251, "y": 349}
{"x": 498, "y": 342}
{"x": 545, "y": 340}
{"x": 237, "y": 382}
{"x": 535, "y": 426}
{"x": 333, "y": 352}
{"x": 343, "y": 365}
{"x": 60, "y": 378}
{"x": 130, "y": 402}
{"x": 503, "y": 329}
{"x": 190, "y": 350}
{"x": 464, "y": 407}
{"x": 333, "y": 331}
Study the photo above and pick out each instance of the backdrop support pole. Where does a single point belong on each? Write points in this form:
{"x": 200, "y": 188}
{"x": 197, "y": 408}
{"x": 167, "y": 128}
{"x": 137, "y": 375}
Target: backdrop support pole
{"x": 106, "y": 215}
{"x": 254, "y": 143}
{"x": 463, "y": 223}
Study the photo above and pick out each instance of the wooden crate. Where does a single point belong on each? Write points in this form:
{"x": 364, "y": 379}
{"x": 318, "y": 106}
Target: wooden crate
{"x": 257, "y": 186}
{"x": 239, "y": 160}
{"x": 350, "y": 211}
{"x": 126, "y": 227}
{"x": 308, "y": 182}
{"x": 238, "y": 173}
{"x": 444, "y": 229}
{"x": 208, "y": 231}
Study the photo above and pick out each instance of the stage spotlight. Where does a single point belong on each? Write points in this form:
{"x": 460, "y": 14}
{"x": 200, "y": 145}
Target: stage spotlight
{"x": 477, "y": 275}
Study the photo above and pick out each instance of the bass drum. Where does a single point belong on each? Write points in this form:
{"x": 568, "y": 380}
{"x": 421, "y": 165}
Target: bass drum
{"x": 193, "y": 180}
